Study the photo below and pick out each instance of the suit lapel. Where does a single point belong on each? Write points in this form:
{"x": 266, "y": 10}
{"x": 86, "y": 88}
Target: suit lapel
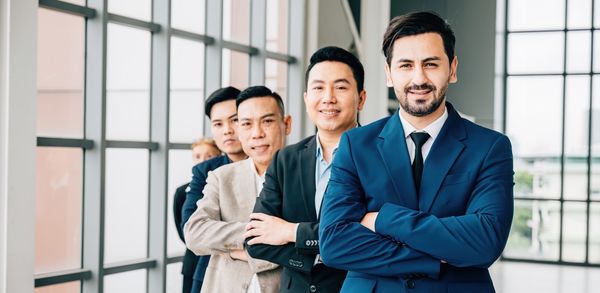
{"x": 307, "y": 178}
{"x": 394, "y": 154}
{"x": 444, "y": 152}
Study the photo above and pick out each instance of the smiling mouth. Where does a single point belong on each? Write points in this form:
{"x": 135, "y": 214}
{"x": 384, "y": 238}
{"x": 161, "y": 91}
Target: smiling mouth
{"x": 229, "y": 141}
{"x": 419, "y": 92}
{"x": 260, "y": 148}
{"x": 329, "y": 112}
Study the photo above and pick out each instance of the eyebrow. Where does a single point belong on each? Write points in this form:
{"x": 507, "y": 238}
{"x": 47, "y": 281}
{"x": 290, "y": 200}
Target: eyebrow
{"x": 219, "y": 120}
{"x": 433, "y": 58}
{"x": 260, "y": 118}
{"x": 335, "y": 81}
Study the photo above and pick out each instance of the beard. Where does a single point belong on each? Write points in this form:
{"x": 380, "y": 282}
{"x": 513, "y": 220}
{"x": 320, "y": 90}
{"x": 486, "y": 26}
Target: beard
{"x": 422, "y": 108}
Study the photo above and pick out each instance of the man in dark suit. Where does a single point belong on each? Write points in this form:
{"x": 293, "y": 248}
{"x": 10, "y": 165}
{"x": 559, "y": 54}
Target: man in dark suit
{"x": 221, "y": 110}
{"x": 202, "y": 150}
{"x": 285, "y": 222}
{"x": 420, "y": 201}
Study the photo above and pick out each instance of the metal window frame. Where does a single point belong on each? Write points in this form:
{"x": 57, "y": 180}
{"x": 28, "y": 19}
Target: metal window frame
{"x": 94, "y": 143}
{"x": 563, "y": 157}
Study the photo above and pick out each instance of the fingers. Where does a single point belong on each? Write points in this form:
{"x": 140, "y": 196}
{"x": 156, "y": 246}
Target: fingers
{"x": 252, "y": 233}
{"x": 259, "y": 216}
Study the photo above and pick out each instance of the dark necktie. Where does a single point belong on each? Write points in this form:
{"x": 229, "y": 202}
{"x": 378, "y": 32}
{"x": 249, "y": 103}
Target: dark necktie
{"x": 419, "y": 138}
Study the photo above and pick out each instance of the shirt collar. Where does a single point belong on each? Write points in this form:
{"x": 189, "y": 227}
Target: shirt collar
{"x": 433, "y": 129}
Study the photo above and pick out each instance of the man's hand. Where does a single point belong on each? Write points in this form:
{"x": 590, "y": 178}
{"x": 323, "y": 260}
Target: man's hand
{"x": 239, "y": 254}
{"x": 269, "y": 230}
{"x": 369, "y": 220}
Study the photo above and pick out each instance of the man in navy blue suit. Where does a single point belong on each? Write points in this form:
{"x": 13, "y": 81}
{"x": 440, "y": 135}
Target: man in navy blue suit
{"x": 221, "y": 110}
{"x": 421, "y": 201}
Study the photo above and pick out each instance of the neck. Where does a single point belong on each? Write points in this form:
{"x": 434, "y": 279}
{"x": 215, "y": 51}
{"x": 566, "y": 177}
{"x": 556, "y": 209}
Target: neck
{"x": 329, "y": 141}
{"x": 421, "y": 122}
{"x": 237, "y": 157}
{"x": 260, "y": 168}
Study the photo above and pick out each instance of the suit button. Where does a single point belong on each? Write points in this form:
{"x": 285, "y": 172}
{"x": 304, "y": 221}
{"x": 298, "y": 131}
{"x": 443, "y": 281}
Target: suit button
{"x": 410, "y": 284}
{"x": 313, "y": 288}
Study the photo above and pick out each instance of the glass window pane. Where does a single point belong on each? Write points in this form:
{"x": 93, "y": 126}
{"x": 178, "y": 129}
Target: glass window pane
{"x": 277, "y": 25}
{"x": 128, "y": 83}
{"x": 594, "y": 249}
{"x": 71, "y": 287}
{"x": 595, "y": 166}
{"x": 187, "y": 90}
{"x": 188, "y": 15}
{"x": 574, "y": 229}
{"x": 180, "y": 172}
{"x": 579, "y": 14}
{"x": 539, "y": 97}
{"x": 597, "y": 50}
{"x": 126, "y": 218}
{"x": 236, "y": 67}
{"x": 236, "y": 21}
{"x": 140, "y": 9}
{"x": 579, "y": 47}
{"x": 576, "y": 136}
{"x": 535, "y": 230}
{"x": 58, "y": 208}
{"x": 60, "y": 58}
{"x": 174, "y": 277}
{"x": 276, "y": 78}
{"x": 527, "y": 15}
{"x": 537, "y": 177}
{"x": 535, "y": 52}
{"x": 130, "y": 282}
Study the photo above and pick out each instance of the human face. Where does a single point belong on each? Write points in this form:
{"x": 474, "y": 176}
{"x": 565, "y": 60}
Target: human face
{"x": 420, "y": 73}
{"x": 203, "y": 152}
{"x": 332, "y": 99}
{"x": 262, "y": 129}
{"x": 223, "y": 123}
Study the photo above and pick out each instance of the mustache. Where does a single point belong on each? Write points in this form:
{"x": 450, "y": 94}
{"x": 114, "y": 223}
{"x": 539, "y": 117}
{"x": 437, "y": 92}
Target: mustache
{"x": 419, "y": 87}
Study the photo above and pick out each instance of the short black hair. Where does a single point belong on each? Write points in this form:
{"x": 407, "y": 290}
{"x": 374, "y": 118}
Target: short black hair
{"x": 220, "y": 95}
{"x": 417, "y": 23}
{"x": 257, "y": 92}
{"x": 338, "y": 54}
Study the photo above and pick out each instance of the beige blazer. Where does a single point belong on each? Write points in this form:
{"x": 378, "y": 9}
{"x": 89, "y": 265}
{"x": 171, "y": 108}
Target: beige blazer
{"x": 217, "y": 225}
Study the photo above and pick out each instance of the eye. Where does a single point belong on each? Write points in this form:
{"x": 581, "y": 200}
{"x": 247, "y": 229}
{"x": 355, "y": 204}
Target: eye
{"x": 268, "y": 121}
{"x": 245, "y": 124}
{"x": 405, "y": 66}
{"x": 234, "y": 120}
{"x": 217, "y": 124}
{"x": 317, "y": 88}
{"x": 341, "y": 87}
{"x": 431, "y": 65}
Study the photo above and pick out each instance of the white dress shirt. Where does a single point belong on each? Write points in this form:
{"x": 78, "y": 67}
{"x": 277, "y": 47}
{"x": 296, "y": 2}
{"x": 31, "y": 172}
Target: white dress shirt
{"x": 433, "y": 129}
{"x": 254, "y": 286}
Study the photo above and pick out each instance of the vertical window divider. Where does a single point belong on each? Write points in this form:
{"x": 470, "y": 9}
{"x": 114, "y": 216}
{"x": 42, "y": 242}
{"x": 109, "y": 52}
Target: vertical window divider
{"x": 95, "y": 129}
{"x": 159, "y": 159}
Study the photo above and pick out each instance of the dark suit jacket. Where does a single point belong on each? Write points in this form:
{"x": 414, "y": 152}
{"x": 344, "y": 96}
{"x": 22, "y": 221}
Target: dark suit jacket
{"x": 289, "y": 193}
{"x": 462, "y": 215}
{"x": 199, "y": 175}
{"x": 190, "y": 260}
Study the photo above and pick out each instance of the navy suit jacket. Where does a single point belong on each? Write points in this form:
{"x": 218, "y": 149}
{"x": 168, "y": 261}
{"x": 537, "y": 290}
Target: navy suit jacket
{"x": 462, "y": 215}
{"x": 199, "y": 175}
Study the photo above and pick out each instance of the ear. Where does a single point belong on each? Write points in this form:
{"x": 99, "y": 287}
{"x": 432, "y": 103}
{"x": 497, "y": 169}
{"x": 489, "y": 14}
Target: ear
{"x": 453, "y": 68}
{"x": 288, "y": 124}
{"x": 388, "y": 78}
{"x": 362, "y": 97}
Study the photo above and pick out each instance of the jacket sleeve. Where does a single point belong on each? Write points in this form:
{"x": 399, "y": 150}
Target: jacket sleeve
{"x": 178, "y": 201}
{"x": 347, "y": 245}
{"x": 270, "y": 202}
{"x": 475, "y": 239}
{"x": 205, "y": 232}
{"x": 194, "y": 195}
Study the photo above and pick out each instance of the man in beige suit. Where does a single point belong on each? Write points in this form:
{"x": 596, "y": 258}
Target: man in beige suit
{"x": 218, "y": 225}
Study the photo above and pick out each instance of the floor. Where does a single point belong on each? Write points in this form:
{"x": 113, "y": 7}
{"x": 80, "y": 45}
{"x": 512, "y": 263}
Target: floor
{"x": 515, "y": 277}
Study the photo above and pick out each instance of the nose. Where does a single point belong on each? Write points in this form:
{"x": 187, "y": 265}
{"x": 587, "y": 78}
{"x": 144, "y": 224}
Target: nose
{"x": 228, "y": 128}
{"x": 328, "y": 95}
{"x": 257, "y": 131}
{"x": 419, "y": 76}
